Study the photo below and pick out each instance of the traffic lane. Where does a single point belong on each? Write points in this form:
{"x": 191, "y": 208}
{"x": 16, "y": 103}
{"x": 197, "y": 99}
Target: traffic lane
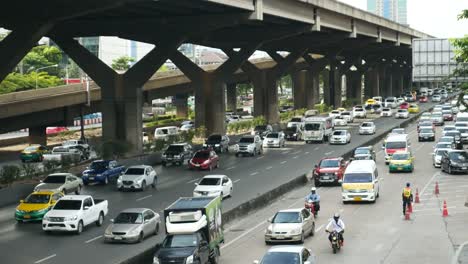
{"x": 151, "y": 199}
{"x": 372, "y": 229}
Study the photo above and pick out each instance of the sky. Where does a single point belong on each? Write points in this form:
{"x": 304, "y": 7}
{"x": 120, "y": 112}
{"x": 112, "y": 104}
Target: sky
{"x": 435, "y": 17}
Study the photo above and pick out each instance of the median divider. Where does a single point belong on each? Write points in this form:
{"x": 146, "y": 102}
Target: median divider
{"x": 262, "y": 200}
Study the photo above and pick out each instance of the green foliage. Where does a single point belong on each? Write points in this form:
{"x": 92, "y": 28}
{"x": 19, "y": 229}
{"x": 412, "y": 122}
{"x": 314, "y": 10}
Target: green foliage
{"x": 42, "y": 56}
{"x": 245, "y": 88}
{"x": 159, "y": 144}
{"x": 246, "y": 125}
{"x": 200, "y": 132}
{"x": 113, "y": 149}
{"x": 19, "y": 82}
{"x": 187, "y": 136}
{"x": 323, "y": 108}
{"x": 461, "y": 44}
{"x": 50, "y": 166}
{"x": 122, "y": 63}
{"x": 350, "y": 102}
{"x": 29, "y": 170}
{"x": 66, "y": 162}
{"x": 9, "y": 173}
{"x": 463, "y": 15}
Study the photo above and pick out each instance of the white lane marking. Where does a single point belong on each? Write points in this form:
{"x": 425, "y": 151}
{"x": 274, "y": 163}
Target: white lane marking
{"x": 429, "y": 183}
{"x": 93, "y": 239}
{"x": 283, "y": 162}
{"x": 243, "y": 235}
{"x": 194, "y": 180}
{"x": 261, "y": 157}
{"x": 316, "y": 148}
{"x": 431, "y": 209}
{"x": 378, "y": 247}
{"x": 295, "y": 157}
{"x": 254, "y": 173}
{"x": 231, "y": 168}
{"x": 285, "y": 152}
{"x": 307, "y": 152}
{"x": 269, "y": 168}
{"x": 296, "y": 152}
{"x": 236, "y": 181}
{"x": 319, "y": 228}
{"x": 142, "y": 198}
{"x": 328, "y": 153}
{"x": 46, "y": 258}
{"x": 457, "y": 254}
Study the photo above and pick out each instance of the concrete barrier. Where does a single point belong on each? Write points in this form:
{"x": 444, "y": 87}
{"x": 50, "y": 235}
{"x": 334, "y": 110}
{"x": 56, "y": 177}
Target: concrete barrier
{"x": 12, "y": 194}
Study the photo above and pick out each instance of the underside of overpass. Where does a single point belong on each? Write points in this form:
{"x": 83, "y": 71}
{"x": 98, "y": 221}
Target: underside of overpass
{"x": 352, "y": 43}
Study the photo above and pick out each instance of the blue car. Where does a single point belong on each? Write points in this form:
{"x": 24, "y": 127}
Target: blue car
{"x": 102, "y": 171}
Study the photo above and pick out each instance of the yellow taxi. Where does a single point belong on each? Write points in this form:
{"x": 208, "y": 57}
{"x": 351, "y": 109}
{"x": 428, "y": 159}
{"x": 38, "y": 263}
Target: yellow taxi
{"x": 401, "y": 161}
{"x": 36, "y": 205}
{"x": 413, "y": 108}
{"x": 33, "y": 153}
{"x": 341, "y": 109}
{"x": 371, "y": 102}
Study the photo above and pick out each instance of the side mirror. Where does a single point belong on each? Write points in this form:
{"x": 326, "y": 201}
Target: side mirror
{"x": 86, "y": 208}
{"x": 307, "y": 262}
{"x": 147, "y": 221}
{"x": 256, "y": 262}
{"x": 21, "y": 201}
{"x": 269, "y": 220}
{"x": 52, "y": 201}
{"x": 383, "y": 147}
{"x": 224, "y": 184}
{"x": 112, "y": 220}
{"x": 316, "y": 166}
{"x": 196, "y": 184}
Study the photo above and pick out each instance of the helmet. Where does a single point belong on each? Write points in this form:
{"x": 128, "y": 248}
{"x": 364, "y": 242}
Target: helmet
{"x": 313, "y": 189}
{"x": 336, "y": 215}
{"x": 408, "y": 184}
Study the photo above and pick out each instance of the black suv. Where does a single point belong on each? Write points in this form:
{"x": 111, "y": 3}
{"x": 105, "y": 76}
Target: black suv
{"x": 454, "y": 161}
{"x": 293, "y": 133}
{"x": 177, "y": 154}
{"x": 217, "y": 142}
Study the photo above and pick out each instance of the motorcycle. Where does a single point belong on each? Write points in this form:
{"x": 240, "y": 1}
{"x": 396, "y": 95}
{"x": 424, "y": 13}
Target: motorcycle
{"x": 312, "y": 206}
{"x": 336, "y": 243}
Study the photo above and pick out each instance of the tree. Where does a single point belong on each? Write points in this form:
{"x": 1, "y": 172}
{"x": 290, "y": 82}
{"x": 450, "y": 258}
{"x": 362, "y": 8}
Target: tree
{"x": 122, "y": 63}
{"x": 461, "y": 56}
{"x": 42, "y": 56}
{"x": 15, "y": 82}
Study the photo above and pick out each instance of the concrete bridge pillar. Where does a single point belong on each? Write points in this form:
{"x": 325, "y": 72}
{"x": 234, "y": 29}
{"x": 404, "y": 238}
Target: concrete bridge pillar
{"x": 313, "y": 88}
{"x": 326, "y": 87}
{"x": 335, "y": 82}
{"x": 231, "y": 94}
{"x": 181, "y": 104}
{"x": 300, "y": 82}
{"x": 373, "y": 82}
{"x": 38, "y": 135}
{"x": 354, "y": 86}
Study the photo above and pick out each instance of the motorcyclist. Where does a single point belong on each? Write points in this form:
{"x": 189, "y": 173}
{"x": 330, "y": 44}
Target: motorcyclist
{"x": 314, "y": 197}
{"x": 336, "y": 224}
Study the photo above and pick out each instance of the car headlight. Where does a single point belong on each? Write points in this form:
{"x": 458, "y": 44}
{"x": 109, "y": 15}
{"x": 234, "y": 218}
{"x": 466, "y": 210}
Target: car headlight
{"x": 134, "y": 231}
{"x": 269, "y": 231}
{"x": 40, "y": 211}
{"x": 456, "y": 164}
{"x": 295, "y": 135}
{"x": 164, "y": 155}
{"x": 205, "y": 145}
{"x": 217, "y": 145}
{"x": 98, "y": 175}
{"x": 296, "y": 231}
{"x": 46, "y": 218}
{"x": 177, "y": 156}
{"x": 206, "y": 162}
{"x": 189, "y": 260}
{"x": 71, "y": 218}
{"x": 108, "y": 230}
{"x": 155, "y": 260}
{"x": 119, "y": 179}
{"x": 85, "y": 174}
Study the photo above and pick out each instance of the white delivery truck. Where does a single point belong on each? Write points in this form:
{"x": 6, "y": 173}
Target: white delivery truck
{"x": 317, "y": 128}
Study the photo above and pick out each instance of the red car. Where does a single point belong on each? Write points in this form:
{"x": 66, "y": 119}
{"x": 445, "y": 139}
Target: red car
{"x": 423, "y": 99}
{"x": 55, "y": 130}
{"x": 404, "y": 105}
{"x": 329, "y": 170}
{"x": 205, "y": 159}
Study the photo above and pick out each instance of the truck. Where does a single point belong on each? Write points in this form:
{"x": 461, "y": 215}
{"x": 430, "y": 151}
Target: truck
{"x": 61, "y": 153}
{"x": 249, "y": 145}
{"x": 79, "y": 144}
{"x": 317, "y": 129}
{"x": 102, "y": 171}
{"x": 72, "y": 213}
{"x": 194, "y": 232}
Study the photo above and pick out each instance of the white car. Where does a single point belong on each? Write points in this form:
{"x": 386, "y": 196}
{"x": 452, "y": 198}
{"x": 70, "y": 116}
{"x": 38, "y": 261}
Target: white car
{"x": 291, "y": 225}
{"x": 340, "y": 121}
{"x": 386, "y": 112}
{"x": 274, "y": 140}
{"x": 187, "y": 127}
{"x": 390, "y": 102}
{"x": 340, "y": 137}
{"x": 402, "y": 113}
{"x": 437, "y": 156}
{"x": 334, "y": 113}
{"x": 287, "y": 254}
{"x": 436, "y": 98}
{"x": 137, "y": 178}
{"x": 400, "y": 100}
{"x": 296, "y": 121}
{"x": 348, "y": 116}
{"x": 360, "y": 112}
{"x": 214, "y": 185}
{"x": 367, "y": 128}
{"x": 448, "y": 128}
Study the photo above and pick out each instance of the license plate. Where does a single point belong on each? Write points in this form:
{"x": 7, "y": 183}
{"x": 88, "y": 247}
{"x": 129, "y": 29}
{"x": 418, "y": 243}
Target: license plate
{"x": 197, "y": 165}
{"x": 26, "y": 216}
{"x": 357, "y": 199}
{"x": 400, "y": 168}
{"x": 425, "y": 137}
{"x": 280, "y": 237}
{"x": 118, "y": 238}
{"x": 463, "y": 168}
{"x": 91, "y": 178}
{"x": 326, "y": 177}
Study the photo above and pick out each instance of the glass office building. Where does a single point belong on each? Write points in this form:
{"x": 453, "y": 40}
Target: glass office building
{"x": 395, "y": 10}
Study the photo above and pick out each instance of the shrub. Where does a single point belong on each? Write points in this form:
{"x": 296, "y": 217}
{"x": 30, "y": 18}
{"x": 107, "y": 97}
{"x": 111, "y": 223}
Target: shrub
{"x": 259, "y": 121}
{"x": 66, "y": 162}
{"x": 9, "y": 173}
{"x": 159, "y": 144}
{"x": 200, "y": 132}
{"x": 50, "y": 166}
{"x": 29, "y": 170}
{"x": 187, "y": 136}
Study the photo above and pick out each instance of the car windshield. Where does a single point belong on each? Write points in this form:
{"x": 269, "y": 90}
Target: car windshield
{"x": 462, "y": 119}
{"x": 359, "y": 110}
{"x": 281, "y": 258}
{"x": 449, "y": 128}
{"x": 260, "y": 128}
{"x": 272, "y": 135}
{"x": 401, "y": 156}
{"x": 37, "y": 199}
{"x": 175, "y": 149}
{"x": 449, "y": 112}
{"x": 287, "y": 217}
{"x": 395, "y": 145}
{"x": 459, "y": 156}
{"x": 390, "y": 100}
{"x": 376, "y": 106}
{"x": 446, "y": 139}
{"x": 98, "y": 165}
{"x": 68, "y": 205}
{"x": 386, "y": 110}
{"x": 453, "y": 134}
{"x": 361, "y": 177}
{"x": 296, "y": 119}
{"x": 180, "y": 241}
{"x": 135, "y": 171}
{"x": 129, "y": 218}
{"x": 398, "y": 131}
{"x": 441, "y": 152}
{"x": 335, "y": 112}
{"x": 202, "y": 155}
{"x": 463, "y": 129}
{"x": 210, "y": 181}
{"x": 214, "y": 138}
{"x": 346, "y": 113}
{"x": 247, "y": 140}
{"x": 401, "y": 110}
{"x": 55, "y": 179}
{"x": 329, "y": 163}
{"x": 59, "y": 149}
{"x": 444, "y": 145}
{"x": 361, "y": 151}
{"x": 427, "y": 130}
{"x": 366, "y": 125}
{"x": 313, "y": 126}
{"x": 339, "y": 133}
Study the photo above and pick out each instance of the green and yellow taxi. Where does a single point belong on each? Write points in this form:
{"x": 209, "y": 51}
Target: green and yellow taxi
{"x": 413, "y": 108}
{"x": 33, "y": 153}
{"x": 36, "y": 205}
{"x": 401, "y": 161}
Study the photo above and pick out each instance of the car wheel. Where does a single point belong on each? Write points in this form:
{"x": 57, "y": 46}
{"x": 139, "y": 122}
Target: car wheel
{"x": 141, "y": 237}
{"x": 64, "y": 191}
{"x": 449, "y": 169}
{"x": 79, "y": 228}
{"x": 100, "y": 219}
{"x": 164, "y": 164}
{"x": 153, "y": 184}
{"x": 254, "y": 152}
{"x": 312, "y": 232}
{"x": 106, "y": 180}
{"x": 78, "y": 190}
{"x": 237, "y": 155}
{"x": 156, "y": 230}
{"x": 143, "y": 185}
{"x": 215, "y": 258}
{"x": 302, "y": 238}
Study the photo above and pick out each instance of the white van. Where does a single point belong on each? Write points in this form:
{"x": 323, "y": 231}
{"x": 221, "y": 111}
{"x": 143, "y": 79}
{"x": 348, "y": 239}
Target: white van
{"x": 378, "y": 99}
{"x": 317, "y": 129}
{"x": 394, "y": 143}
{"x": 462, "y": 117}
{"x": 164, "y": 132}
{"x": 360, "y": 182}
{"x": 390, "y": 102}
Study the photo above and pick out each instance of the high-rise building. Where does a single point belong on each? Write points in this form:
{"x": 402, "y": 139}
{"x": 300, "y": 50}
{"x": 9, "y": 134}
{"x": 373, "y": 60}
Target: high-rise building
{"x": 395, "y": 10}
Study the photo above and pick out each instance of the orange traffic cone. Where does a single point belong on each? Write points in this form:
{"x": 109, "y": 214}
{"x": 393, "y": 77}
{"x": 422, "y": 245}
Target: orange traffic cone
{"x": 445, "y": 210}
{"x": 409, "y": 209}
{"x": 407, "y": 215}
{"x": 437, "y": 188}
{"x": 416, "y": 200}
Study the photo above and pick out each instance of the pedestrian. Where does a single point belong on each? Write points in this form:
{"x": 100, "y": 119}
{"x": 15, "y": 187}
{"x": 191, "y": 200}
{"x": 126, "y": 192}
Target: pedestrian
{"x": 407, "y": 197}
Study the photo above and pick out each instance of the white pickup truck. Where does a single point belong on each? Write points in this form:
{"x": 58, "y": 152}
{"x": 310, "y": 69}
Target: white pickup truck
{"x": 58, "y": 154}
{"x": 72, "y": 213}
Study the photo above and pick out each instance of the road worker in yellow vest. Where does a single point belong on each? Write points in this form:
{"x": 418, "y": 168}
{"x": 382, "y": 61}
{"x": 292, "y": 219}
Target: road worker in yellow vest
{"x": 407, "y": 196}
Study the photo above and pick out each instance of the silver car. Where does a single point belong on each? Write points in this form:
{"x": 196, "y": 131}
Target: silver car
{"x": 133, "y": 225}
{"x": 61, "y": 182}
{"x": 290, "y": 225}
{"x": 274, "y": 139}
{"x": 437, "y": 156}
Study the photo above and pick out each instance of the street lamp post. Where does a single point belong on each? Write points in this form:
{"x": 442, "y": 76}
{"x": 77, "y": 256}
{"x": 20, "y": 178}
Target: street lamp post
{"x": 36, "y": 70}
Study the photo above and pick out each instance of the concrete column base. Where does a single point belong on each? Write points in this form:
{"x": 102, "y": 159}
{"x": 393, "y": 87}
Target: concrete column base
{"x": 266, "y": 97}
{"x": 38, "y": 135}
{"x": 210, "y": 108}
{"x": 299, "y": 81}
{"x": 180, "y": 102}
{"x": 326, "y": 87}
{"x": 231, "y": 94}
{"x": 313, "y": 89}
